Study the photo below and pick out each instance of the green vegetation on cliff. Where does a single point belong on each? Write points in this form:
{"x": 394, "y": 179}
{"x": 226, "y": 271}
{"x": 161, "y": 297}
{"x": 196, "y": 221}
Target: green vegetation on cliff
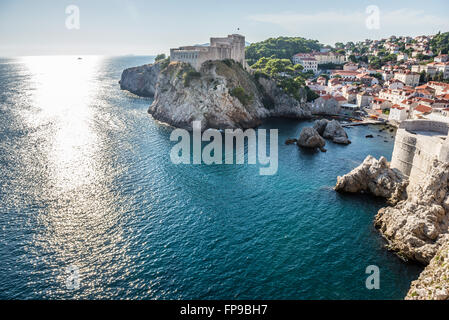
{"x": 160, "y": 56}
{"x": 289, "y": 77}
{"x": 280, "y": 48}
{"x": 240, "y": 94}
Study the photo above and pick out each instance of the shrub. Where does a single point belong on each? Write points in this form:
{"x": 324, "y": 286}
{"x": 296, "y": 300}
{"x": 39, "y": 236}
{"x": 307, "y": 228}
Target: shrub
{"x": 228, "y": 62}
{"x": 160, "y": 57}
{"x": 164, "y": 63}
{"x": 189, "y": 76}
{"x": 240, "y": 94}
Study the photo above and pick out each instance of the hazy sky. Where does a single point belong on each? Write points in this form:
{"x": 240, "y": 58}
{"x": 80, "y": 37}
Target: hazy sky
{"x": 113, "y": 27}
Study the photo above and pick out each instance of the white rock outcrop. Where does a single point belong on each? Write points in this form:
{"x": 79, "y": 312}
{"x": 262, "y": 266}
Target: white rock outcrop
{"x": 416, "y": 227}
{"x": 433, "y": 282}
{"x": 375, "y": 177}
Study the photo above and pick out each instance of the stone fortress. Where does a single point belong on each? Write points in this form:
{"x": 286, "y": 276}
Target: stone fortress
{"x": 231, "y": 47}
{"x": 418, "y": 144}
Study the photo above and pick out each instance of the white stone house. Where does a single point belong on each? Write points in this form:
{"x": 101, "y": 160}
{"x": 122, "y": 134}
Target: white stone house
{"x": 408, "y": 78}
{"x": 398, "y": 113}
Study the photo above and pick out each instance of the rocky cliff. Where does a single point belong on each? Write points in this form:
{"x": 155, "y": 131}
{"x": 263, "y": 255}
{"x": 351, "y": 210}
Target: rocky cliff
{"x": 433, "y": 282}
{"x": 417, "y": 225}
{"x": 222, "y": 95}
{"x": 141, "y": 80}
{"x": 375, "y": 177}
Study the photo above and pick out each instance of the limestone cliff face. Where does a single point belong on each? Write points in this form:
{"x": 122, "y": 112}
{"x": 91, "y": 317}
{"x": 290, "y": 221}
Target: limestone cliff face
{"x": 283, "y": 105}
{"x": 418, "y": 226}
{"x": 184, "y": 96}
{"x": 222, "y": 95}
{"x": 141, "y": 80}
{"x": 433, "y": 282}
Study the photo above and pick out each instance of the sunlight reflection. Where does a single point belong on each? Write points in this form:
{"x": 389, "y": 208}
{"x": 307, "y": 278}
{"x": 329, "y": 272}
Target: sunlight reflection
{"x": 64, "y": 89}
{"x": 81, "y": 219}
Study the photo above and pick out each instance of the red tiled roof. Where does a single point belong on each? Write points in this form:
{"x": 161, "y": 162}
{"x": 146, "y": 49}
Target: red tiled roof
{"x": 345, "y": 72}
{"x": 327, "y": 97}
{"x": 423, "y": 109}
{"x": 424, "y": 99}
{"x": 396, "y": 106}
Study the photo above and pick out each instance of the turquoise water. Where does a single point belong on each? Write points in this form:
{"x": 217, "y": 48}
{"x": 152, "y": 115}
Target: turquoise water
{"x": 87, "y": 182}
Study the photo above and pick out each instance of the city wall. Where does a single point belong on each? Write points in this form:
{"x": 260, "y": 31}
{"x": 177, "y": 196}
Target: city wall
{"x": 418, "y": 144}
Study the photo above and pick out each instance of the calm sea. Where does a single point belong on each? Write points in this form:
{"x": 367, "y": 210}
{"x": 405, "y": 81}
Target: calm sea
{"x": 86, "y": 183}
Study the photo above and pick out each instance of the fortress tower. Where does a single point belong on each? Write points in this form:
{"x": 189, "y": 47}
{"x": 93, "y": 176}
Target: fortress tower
{"x": 231, "y": 47}
{"x": 418, "y": 144}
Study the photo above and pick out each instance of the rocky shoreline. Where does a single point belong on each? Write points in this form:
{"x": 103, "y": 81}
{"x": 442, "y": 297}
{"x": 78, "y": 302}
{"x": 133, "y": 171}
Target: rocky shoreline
{"x": 416, "y": 223}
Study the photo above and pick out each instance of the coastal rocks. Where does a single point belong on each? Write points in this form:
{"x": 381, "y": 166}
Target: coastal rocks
{"x": 309, "y": 138}
{"x": 416, "y": 227}
{"x": 291, "y": 141}
{"x": 433, "y": 282}
{"x": 222, "y": 95}
{"x": 376, "y": 177}
{"x": 320, "y": 126}
{"x": 332, "y": 130}
{"x": 141, "y": 80}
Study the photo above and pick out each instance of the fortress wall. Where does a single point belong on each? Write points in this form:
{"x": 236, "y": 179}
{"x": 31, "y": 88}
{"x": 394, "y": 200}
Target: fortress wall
{"x": 187, "y": 54}
{"x": 403, "y": 152}
{"x": 425, "y": 125}
{"x": 414, "y": 153}
{"x": 425, "y": 153}
{"x": 231, "y": 47}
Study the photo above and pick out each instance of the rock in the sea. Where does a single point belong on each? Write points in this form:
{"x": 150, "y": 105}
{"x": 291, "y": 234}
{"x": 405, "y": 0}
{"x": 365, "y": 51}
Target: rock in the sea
{"x": 375, "y": 177}
{"x": 416, "y": 227}
{"x": 320, "y": 126}
{"x": 370, "y": 136}
{"x": 332, "y": 130}
{"x": 141, "y": 80}
{"x": 433, "y": 282}
{"x": 309, "y": 138}
{"x": 336, "y": 133}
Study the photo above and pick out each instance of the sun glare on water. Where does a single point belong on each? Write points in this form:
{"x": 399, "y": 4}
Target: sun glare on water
{"x": 72, "y": 175}
{"x": 64, "y": 90}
